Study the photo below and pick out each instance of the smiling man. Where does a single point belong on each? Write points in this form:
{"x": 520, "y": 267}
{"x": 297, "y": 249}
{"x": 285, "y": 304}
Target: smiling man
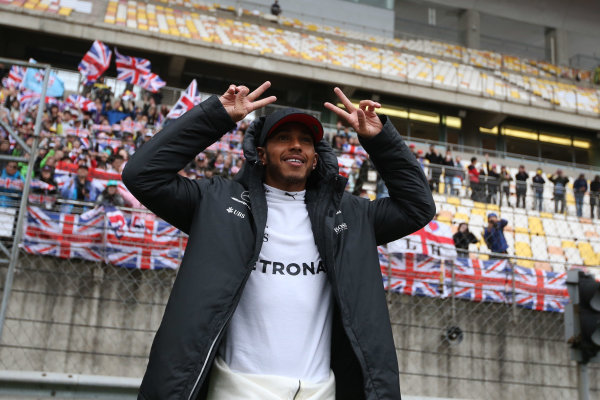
{"x": 279, "y": 293}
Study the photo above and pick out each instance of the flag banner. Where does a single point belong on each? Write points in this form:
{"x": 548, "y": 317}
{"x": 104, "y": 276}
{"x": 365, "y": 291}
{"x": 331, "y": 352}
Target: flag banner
{"x": 187, "y": 100}
{"x": 434, "y": 240}
{"x": 540, "y": 290}
{"x": 414, "y": 274}
{"x": 152, "y": 82}
{"x": 34, "y": 80}
{"x": 81, "y": 102}
{"x": 95, "y": 62}
{"x": 63, "y": 235}
{"x": 474, "y": 280}
{"x": 15, "y": 77}
{"x": 131, "y": 69}
{"x": 145, "y": 243}
{"x": 479, "y": 280}
{"x": 104, "y": 234}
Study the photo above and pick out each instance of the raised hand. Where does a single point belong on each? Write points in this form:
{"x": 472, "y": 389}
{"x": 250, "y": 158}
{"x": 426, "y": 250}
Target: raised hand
{"x": 363, "y": 119}
{"x": 239, "y": 102}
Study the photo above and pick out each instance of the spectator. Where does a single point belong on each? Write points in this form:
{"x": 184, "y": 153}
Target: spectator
{"x": 276, "y": 8}
{"x": 47, "y": 189}
{"x": 462, "y": 239}
{"x": 521, "y": 185}
{"x": 494, "y": 235}
{"x": 595, "y": 195}
{"x": 435, "y": 160}
{"x": 538, "y": 182}
{"x": 449, "y": 172}
{"x": 580, "y": 187}
{"x": 505, "y": 179}
{"x": 459, "y": 176}
{"x": 474, "y": 180}
{"x": 78, "y": 188}
{"x": 11, "y": 173}
{"x": 110, "y": 195}
{"x": 493, "y": 183}
{"x": 560, "y": 187}
{"x": 412, "y": 149}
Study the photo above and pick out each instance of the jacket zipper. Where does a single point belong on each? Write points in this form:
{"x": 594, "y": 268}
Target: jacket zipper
{"x": 212, "y": 345}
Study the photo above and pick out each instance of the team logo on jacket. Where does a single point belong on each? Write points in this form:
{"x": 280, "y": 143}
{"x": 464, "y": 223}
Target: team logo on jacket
{"x": 340, "y": 227}
{"x": 244, "y": 199}
{"x": 235, "y": 212}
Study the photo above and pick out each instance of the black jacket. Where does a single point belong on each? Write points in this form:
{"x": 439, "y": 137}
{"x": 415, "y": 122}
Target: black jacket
{"x": 223, "y": 247}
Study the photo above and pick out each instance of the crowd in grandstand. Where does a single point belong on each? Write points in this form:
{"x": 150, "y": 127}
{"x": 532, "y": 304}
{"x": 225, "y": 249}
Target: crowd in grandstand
{"x": 81, "y": 142}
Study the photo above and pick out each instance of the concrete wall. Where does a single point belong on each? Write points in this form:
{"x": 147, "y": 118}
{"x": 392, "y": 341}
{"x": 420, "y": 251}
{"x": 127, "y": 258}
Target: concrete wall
{"x": 85, "y": 318}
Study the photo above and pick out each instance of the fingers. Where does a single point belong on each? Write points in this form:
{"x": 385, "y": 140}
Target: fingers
{"x": 369, "y": 105}
{"x": 338, "y": 111}
{"x": 362, "y": 120}
{"x": 230, "y": 90}
{"x": 347, "y": 103}
{"x": 259, "y": 91}
{"x": 242, "y": 90}
{"x": 263, "y": 102}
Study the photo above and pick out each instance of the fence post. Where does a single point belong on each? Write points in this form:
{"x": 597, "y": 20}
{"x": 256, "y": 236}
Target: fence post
{"x": 514, "y": 300}
{"x": 452, "y": 299}
{"x": 14, "y": 253}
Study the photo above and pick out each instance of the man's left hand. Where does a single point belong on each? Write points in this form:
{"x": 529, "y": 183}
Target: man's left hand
{"x": 363, "y": 119}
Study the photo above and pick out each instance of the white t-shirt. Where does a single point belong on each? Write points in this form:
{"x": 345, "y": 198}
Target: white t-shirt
{"x": 282, "y": 325}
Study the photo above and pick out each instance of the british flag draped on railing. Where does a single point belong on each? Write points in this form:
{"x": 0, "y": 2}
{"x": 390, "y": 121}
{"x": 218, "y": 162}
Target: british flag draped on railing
{"x": 435, "y": 240}
{"x": 95, "y": 62}
{"x": 474, "y": 280}
{"x": 537, "y": 289}
{"x": 126, "y": 240}
{"x": 479, "y": 280}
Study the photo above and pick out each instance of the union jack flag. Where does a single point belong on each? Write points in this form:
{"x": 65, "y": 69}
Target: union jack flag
{"x": 186, "y": 102}
{"x": 152, "y": 82}
{"x": 415, "y": 274}
{"x": 95, "y": 62}
{"x": 131, "y": 69}
{"x": 28, "y": 99}
{"x": 81, "y": 102}
{"x": 15, "y": 77}
{"x": 540, "y": 290}
{"x": 147, "y": 244}
{"x": 79, "y": 132}
{"x": 64, "y": 235}
{"x": 354, "y": 150}
{"x": 479, "y": 280}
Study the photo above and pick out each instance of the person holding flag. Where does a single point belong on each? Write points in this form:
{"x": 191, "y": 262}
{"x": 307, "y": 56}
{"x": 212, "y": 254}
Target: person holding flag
{"x": 279, "y": 293}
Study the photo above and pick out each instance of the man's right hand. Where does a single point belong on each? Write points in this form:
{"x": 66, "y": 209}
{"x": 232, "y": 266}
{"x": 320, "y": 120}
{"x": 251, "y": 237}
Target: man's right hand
{"x": 239, "y": 102}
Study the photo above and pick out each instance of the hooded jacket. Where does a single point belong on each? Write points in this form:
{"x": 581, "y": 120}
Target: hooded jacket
{"x": 223, "y": 246}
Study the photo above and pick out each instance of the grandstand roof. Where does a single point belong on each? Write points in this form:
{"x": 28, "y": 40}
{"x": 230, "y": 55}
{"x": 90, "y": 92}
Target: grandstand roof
{"x": 192, "y": 30}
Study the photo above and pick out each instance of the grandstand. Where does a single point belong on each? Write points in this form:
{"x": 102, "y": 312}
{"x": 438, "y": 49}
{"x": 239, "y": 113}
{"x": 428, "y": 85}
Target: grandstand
{"x": 513, "y": 110}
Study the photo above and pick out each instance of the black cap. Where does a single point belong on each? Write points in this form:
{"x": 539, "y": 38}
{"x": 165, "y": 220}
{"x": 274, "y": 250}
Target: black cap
{"x": 280, "y": 117}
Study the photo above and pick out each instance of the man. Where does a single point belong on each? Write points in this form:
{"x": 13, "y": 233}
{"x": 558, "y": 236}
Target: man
{"x": 560, "y": 188}
{"x": 521, "y": 185}
{"x": 279, "y": 292}
{"x": 493, "y": 181}
{"x": 449, "y": 172}
{"x": 474, "y": 180}
{"x": 595, "y": 195}
{"x": 494, "y": 234}
{"x": 435, "y": 160}
{"x": 538, "y": 182}
{"x": 580, "y": 187}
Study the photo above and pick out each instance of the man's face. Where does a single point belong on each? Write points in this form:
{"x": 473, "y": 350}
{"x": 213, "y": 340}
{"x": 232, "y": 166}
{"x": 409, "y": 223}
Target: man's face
{"x": 11, "y": 168}
{"x": 492, "y": 220}
{"x": 82, "y": 173}
{"x": 289, "y": 157}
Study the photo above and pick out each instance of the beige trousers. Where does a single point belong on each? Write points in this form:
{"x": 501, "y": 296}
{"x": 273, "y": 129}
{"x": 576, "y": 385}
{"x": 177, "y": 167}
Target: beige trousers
{"x": 226, "y": 384}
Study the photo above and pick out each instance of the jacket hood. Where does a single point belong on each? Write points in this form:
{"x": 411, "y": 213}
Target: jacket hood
{"x": 327, "y": 164}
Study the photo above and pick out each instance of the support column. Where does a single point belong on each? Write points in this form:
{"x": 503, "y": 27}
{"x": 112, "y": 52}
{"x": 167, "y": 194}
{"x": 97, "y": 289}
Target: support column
{"x": 469, "y": 28}
{"x": 176, "y": 65}
{"x": 557, "y": 48}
